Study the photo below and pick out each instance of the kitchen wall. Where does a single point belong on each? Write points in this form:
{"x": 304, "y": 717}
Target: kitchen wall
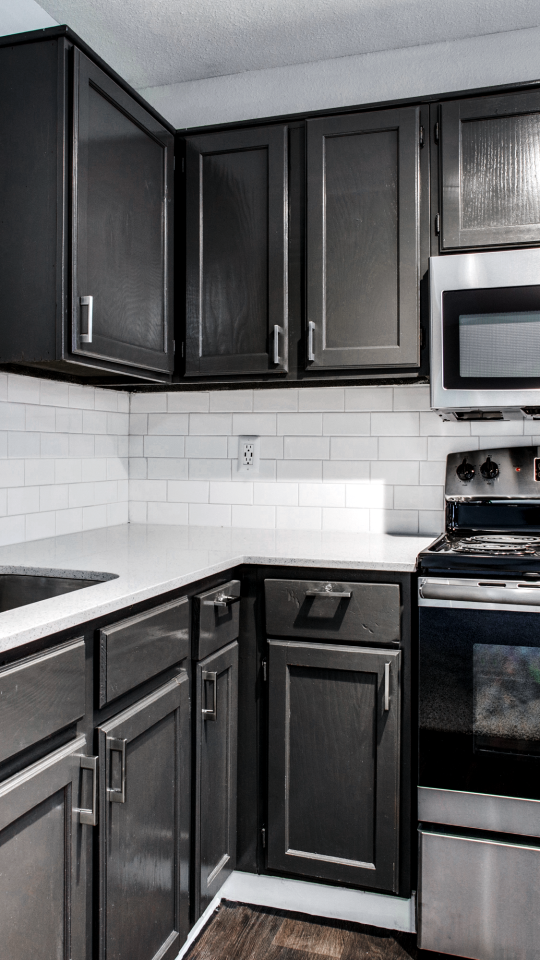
{"x": 352, "y": 458}
{"x": 431, "y": 68}
{"x": 63, "y": 458}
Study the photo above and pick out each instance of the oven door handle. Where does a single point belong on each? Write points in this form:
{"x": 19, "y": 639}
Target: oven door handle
{"x": 479, "y": 593}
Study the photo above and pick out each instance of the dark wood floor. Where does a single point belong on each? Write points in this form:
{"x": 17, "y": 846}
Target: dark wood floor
{"x": 240, "y": 932}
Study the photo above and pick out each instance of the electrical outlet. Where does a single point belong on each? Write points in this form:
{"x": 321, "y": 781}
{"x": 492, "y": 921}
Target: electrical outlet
{"x": 248, "y": 455}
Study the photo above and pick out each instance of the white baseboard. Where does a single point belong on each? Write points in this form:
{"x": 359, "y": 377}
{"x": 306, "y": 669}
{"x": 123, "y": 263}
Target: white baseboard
{"x": 316, "y": 899}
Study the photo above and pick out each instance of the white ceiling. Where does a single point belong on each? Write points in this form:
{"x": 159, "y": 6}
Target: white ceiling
{"x": 157, "y": 42}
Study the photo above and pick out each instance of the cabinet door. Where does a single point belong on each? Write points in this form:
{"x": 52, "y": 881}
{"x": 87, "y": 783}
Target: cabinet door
{"x": 363, "y": 239}
{"x": 236, "y": 262}
{"x": 490, "y": 176}
{"x": 215, "y": 785}
{"x": 144, "y": 827}
{"x": 334, "y": 722}
{"x": 43, "y": 861}
{"x": 122, "y": 225}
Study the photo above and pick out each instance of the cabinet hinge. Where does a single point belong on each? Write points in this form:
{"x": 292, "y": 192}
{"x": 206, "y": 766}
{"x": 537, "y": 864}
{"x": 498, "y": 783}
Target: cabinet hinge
{"x": 438, "y": 224}
{"x": 436, "y": 132}
{"x": 265, "y": 677}
{"x": 263, "y": 837}
{"x": 421, "y": 136}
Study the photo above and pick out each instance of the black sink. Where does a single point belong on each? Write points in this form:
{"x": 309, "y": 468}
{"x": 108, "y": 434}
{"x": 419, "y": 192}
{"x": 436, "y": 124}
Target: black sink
{"x": 19, "y": 589}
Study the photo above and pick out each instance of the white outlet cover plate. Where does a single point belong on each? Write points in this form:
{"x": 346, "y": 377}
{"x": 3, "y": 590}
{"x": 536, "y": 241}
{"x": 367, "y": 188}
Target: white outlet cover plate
{"x": 248, "y": 469}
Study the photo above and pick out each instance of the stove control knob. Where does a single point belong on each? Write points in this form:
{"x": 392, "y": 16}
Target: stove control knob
{"x": 489, "y": 469}
{"x": 465, "y": 471}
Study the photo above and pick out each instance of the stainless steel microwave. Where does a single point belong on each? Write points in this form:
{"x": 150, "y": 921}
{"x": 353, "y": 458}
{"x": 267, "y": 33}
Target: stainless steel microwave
{"x": 485, "y": 334}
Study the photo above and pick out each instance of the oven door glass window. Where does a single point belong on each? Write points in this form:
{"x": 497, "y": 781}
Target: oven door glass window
{"x": 491, "y": 338}
{"x": 479, "y": 701}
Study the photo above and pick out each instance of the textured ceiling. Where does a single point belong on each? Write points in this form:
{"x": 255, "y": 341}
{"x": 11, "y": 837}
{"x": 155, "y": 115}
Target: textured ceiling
{"x": 155, "y": 42}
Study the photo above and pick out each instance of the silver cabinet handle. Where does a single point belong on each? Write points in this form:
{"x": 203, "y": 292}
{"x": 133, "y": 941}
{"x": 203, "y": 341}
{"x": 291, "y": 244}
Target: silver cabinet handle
{"x": 87, "y": 302}
{"x": 311, "y": 334}
{"x": 329, "y": 593}
{"x": 118, "y": 795}
{"x": 211, "y": 676}
{"x": 277, "y": 331}
{"x": 90, "y": 816}
{"x": 221, "y": 601}
{"x": 386, "y": 687}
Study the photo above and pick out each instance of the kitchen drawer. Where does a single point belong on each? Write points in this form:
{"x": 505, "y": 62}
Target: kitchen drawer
{"x": 137, "y": 649}
{"x": 478, "y": 897}
{"x": 319, "y": 609}
{"x": 41, "y": 694}
{"x": 216, "y": 618}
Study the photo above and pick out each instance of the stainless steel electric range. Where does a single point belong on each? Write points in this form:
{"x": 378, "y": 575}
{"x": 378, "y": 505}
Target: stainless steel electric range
{"x": 479, "y": 711}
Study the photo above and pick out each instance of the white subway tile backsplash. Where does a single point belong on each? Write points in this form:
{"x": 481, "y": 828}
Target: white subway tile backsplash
{"x": 138, "y": 511}
{"x": 321, "y": 398}
{"x": 271, "y": 448}
{"x": 403, "y": 448}
{"x": 208, "y": 446}
{"x": 204, "y": 468}
{"x": 299, "y": 518}
{"x": 430, "y": 523}
{"x": 231, "y": 401}
{"x": 12, "y": 416}
{"x": 188, "y": 491}
{"x": 418, "y": 498}
{"x": 40, "y": 525}
{"x": 306, "y": 448}
{"x": 36, "y": 472}
{"x": 497, "y": 428}
{"x": 321, "y": 494}
{"x": 138, "y": 424}
{"x": 257, "y": 424}
{"x": 253, "y": 516}
{"x": 189, "y": 402}
{"x": 94, "y": 517}
{"x": 40, "y": 418}
{"x": 395, "y": 471}
{"x": 148, "y": 402}
{"x": 346, "y": 470}
{"x": 161, "y": 446}
{"x": 275, "y": 401}
{"x": 163, "y": 468}
{"x": 108, "y": 400}
{"x": 148, "y": 490}
{"x": 81, "y": 494}
{"x": 224, "y": 492}
{"x": 54, "y": 394}
{"x": 374, "y": 495}
{"x": 166, "y": 513}
{"x": 12, "y": 530}
{"x": 432, "y": 472}
{"x": 395, "y": 424}
{"x": 79, "y": 445}
{"x": 94, "y": 421}
{"x": 82, "y": 397}
{"x": 368, "y": 398}
{"x": 23, "y": 389}
{"x": 299, "y": 424}
{"x": 440, "y": 447}
{"x": 347, "y": 519}
{"x": 69, "y": 521}
{"x": 210, "y": 515}
{"x": 69, "y": 420}
{"x": 12, "y": 473}
{"x": 67, "y": 471}
{"x": 22, "y": 500}
{"x": 95, "y": 469}
{"x": 411, "y": 397}
{"x": 299, "y": 470}
{"x": 346, "y": 424}
{"x": 394, "y": 521}
{"x": 168, "y": 424}
{"x": 213, "y": 424}
{"x": 276, "y": 494}
{"x": 23, "y": 444}
{"x": 54, "y": 497}
{"x": 431, "y": 425}
{"x": 353, "y": 448}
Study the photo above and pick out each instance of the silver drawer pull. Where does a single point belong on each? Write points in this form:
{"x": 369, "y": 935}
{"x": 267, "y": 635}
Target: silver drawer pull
{"x": 90, "y": 816}
{"x": 87, "y": 302}
{"x": 329, "y": 593}
{"x": 386, "y": 687}
{"x": 118, "y": 795}
{"x": 311, "y": 335}
{"x": 277, "y": 331}
{"x": 211, "y": 676}
{"x": 221, "y": 601}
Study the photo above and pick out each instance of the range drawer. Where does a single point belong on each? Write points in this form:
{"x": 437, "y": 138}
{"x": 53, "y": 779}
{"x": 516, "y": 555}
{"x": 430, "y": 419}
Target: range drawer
{"x": 216, "y": 618}
{"x": 137, "y": 649}
{"x": 352, "y": 612}
{"x": 478, "y": 897}
{"x": 41, "y": 694}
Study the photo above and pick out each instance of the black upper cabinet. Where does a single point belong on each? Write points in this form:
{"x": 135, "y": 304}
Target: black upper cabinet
{"x": 363, "y": 239}
{"x": 87, "y": 176}
{"x": 490, "y": 177}
{"x": 236, "y": 257}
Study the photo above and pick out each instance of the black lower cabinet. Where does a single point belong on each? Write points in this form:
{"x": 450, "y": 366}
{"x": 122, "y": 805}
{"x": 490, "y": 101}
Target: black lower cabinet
{"x": 144, "y": 763}
{"x": 216, "y": 712}
{"x": 334, "y": 761}
{"x": 43, "y": 868}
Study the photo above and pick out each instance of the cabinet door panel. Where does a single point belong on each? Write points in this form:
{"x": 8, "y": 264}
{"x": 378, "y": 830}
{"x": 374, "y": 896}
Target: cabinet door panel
{"x": 363, "y": 239}
{"x": 334, "y": 762}
{"x": 489, "y": 171}
{"x": 43, "y": 865}
{"x": 215, "y": 810}
{"x": 122, "y": 224}
{"x": 236, "y": 252}
{"x": 144, "y": 838}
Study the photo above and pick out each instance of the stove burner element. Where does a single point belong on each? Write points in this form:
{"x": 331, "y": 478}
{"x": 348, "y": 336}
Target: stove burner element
{"x": 499, "y": 545}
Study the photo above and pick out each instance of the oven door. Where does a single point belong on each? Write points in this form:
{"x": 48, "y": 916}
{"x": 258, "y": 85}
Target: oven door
{"x": 479, "y": 686}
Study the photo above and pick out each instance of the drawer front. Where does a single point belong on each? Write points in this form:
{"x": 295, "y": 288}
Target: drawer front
{"x": 216, "y": 619}
{"x": 139, "y": 648}
{"x": 319, "y": 609}
{"x": 39, "y": 695}
{"x": 478, "y": 897}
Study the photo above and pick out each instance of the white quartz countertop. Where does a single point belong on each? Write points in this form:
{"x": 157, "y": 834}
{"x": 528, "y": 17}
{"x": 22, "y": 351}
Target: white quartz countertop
{"x": 149, "y": 560}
